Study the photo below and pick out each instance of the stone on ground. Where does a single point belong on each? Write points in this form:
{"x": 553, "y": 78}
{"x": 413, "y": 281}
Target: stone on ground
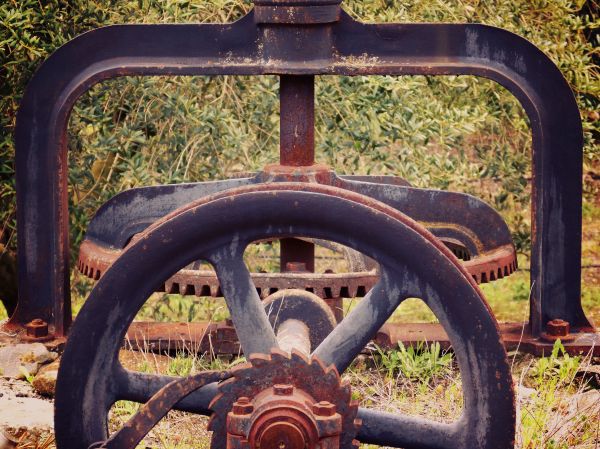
{"x": 24, "y": 359}
{"x": 45, "y": 380}
{"x": 23, "y": 415}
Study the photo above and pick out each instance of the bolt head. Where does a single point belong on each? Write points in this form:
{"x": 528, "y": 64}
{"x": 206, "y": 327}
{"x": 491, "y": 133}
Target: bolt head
{"x": 37, "y": 328}
{"x": 324, "y": 408}
{"x": 242, "y": 406}
{"x": 557, "y": 328}
{"x": 283, "y": 389}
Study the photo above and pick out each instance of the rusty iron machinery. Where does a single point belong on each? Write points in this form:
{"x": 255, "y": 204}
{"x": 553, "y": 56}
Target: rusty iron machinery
{"x": 298, "y": 40}
{"x": 432, "y": 245}
{"x": 289, "y": 394}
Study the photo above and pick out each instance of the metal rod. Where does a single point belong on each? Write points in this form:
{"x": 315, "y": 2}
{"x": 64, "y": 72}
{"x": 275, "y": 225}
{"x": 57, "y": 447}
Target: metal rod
{"x": 294, "y": 334}
{"x": 297, "y": 120}
{"x": 296, "y": 255}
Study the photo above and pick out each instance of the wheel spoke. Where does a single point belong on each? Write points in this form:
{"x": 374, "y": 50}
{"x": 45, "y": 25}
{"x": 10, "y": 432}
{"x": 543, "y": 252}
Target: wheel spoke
{"x": 349, "y": 338}
{"x": 245, "y": 307}
{"x": 408, "y": 432}
{"x": 140, "y": 387}
{"x": 138, "y": 426}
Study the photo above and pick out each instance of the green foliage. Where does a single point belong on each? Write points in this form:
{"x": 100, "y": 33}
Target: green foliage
{"x": 171, "y": 307}
{"x": 181, "y": 366}
{"x": 418, "y": 363}
{"x": 553, "y": 378}
{"x": 26, "y": 374}
{"x": 184, "y": 365}
{"x": 558, "y": 369}
{"x": 443, "y": 132}
{"x": 124, "y": 408}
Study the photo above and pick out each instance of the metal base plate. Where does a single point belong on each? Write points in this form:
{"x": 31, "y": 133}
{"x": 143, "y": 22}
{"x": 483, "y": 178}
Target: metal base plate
{"x": 220, "y": 339}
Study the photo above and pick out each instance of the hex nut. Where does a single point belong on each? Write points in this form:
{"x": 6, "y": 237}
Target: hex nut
{"x": 242, "y": 406}
{"x": 324, "y": 408}
{"x": 283, "y": 389}
{"x": 557, "y": 328}
{"x": 37, "y": 328}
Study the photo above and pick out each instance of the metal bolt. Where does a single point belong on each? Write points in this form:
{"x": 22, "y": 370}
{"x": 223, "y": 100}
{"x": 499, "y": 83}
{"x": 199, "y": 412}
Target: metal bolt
{"x": 296, "y": 267}
{"x": 283, "y": 389}
{"x": 557, "y": 328}
{"x": 324, "y": 408}
{"x": 37, "y": 328}
{"x": 243, "y": 406}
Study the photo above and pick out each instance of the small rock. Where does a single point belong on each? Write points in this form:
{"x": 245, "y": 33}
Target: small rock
{"x": 18, "y": 361}
{"x": 45, "y": 380}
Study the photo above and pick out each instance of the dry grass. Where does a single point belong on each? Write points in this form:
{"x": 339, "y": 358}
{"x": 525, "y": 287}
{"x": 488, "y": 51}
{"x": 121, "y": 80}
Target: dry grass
{"x": 556, "y": 406}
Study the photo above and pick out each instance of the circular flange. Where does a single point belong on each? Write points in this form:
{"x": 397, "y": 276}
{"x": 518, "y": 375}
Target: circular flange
{"x": 296, "y": 304}
{"x": 264, "y": 372}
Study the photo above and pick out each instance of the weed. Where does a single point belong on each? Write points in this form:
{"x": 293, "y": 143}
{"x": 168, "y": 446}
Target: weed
{"x": 26, "y": 374}
{"x": 418, "y": 363}
{"x": 558, "y": 369}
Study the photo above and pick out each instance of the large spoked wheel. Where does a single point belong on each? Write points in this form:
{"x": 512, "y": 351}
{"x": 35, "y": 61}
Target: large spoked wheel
{"x": 218, "y": 229}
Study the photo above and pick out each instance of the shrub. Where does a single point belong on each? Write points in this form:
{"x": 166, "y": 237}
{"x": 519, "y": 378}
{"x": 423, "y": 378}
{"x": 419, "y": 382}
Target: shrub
{"x": 443, "y": 132}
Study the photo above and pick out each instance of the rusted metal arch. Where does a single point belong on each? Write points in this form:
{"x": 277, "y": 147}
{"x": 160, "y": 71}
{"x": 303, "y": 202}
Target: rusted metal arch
{"x": 356, "y": 49}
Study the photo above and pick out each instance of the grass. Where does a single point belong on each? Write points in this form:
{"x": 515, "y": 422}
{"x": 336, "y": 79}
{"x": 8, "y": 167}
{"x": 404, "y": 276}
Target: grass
{"x": 552, "y": 411}
{"x": 418, "y": 363}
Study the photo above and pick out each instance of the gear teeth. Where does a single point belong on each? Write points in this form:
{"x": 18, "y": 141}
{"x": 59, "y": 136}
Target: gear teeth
{"x": 211, "y": 422}
{"x": 298, "y": 356}
{"x": 332, "y": 376}
{"x": 214, "y": 403}
{"x": 242, "y": 371}
{"x": 353, "y": 291}
{"x": 277, "y": 355}
{"x": 355, "y": 444}
{"x": 262, "y": 370}
{"x": 331, "y": 370}
{"x": 222, "y": 406}
{"x": 218, "y": 443}
{"x": 259, "y": 360}
{"x": 346, "y": 392}
{"x": 321, "y": 365}
{"x": 227, "y": 386}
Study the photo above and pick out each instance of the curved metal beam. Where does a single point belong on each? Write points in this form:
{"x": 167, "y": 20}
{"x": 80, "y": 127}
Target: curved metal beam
{"x": 343, "y": 48}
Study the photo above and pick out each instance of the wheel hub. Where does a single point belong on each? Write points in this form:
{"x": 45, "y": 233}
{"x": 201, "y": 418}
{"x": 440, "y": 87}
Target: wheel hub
{"x": 282, "y": 401}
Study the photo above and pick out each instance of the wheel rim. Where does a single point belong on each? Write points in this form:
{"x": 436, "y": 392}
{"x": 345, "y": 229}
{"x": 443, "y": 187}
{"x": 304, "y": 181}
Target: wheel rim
{"x": 413, "y": 264}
